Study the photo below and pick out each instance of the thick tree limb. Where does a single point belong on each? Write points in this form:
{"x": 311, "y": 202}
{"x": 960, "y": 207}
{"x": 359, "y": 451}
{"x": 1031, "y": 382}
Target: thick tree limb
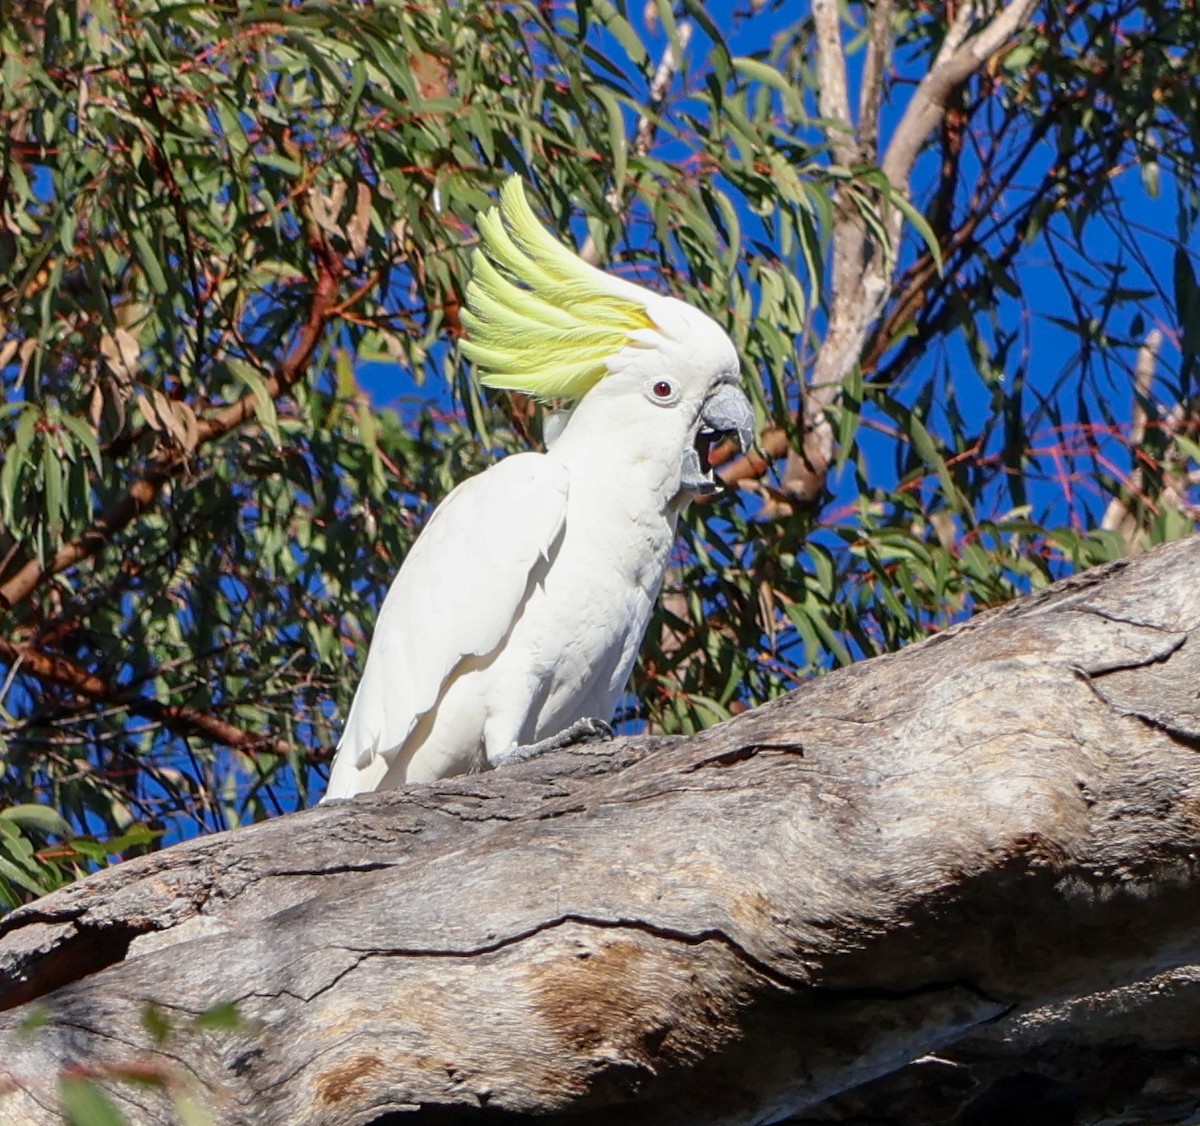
{"x": 727, "y": 928}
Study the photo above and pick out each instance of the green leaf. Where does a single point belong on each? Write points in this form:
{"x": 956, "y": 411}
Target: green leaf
{"x": 83, "y": 1103}
{"x": 136, "y": 836}
{"x": 55, "y": 510}
{"x": 849, "y": 415}
{"x": 156, "y": 1023}
{"x": 19, "y": 876}
{"x": 41, "y": 817}
{"x": 148, "y": 260}
{"x": 920, "y": 225}
{"x": 616, "y": 136}
{"x": 928, "y": 452}
{"x": 621, "y": 30}
{"x": 83, "y": 432}
{"x": 762, "y": 72}
{"x": 264, "y": 405}
{"x": 224, "y": 1017}
{"x": 1187, "y": 300}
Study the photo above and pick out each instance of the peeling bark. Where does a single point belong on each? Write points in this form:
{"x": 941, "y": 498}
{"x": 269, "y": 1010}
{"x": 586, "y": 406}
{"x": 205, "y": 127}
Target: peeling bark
{"x": 734, "y": 927}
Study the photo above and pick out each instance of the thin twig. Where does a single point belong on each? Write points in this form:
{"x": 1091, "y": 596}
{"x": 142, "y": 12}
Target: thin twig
{"x": 50, "y": 668}
{"x": 647, "y": 127}
{"x": 1118, "y": 515}
{"x": 145, "y": 490}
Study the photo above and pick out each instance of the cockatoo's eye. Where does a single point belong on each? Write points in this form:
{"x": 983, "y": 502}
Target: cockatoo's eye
{"x": 663, "y": 392}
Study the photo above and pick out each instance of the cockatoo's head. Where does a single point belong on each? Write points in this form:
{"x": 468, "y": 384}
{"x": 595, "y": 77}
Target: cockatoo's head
{"x": 543, "y": 321}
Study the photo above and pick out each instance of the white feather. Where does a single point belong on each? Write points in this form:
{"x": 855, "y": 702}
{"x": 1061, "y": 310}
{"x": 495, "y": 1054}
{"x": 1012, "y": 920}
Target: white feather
{"x": 461, "y": 588}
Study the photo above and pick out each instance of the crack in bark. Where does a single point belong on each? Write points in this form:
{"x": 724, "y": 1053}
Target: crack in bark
{"x": 133, "y": 1047}
{"x": 671, "y": 934}
{"x": 1091, "y": 677}
{"x": 332, "y": 870}
{"x": 117, "y": 938}
{"x": 50, "y": 1108}
{"x": 1117, "y": 619}
{"x": 284, "y": 991}
{"x": 1190, "y": 739}
{"x": 23, "y": 916}
{"x": 1121, "y": 664}
{"x": 94, "y": 947}
{"x": 744, "y": 753}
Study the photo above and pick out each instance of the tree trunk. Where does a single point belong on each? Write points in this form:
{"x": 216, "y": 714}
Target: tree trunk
{"x": 729, "y": 928}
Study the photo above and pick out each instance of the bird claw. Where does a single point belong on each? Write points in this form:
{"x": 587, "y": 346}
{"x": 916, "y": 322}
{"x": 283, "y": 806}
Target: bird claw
{"x": 586, "y": 730}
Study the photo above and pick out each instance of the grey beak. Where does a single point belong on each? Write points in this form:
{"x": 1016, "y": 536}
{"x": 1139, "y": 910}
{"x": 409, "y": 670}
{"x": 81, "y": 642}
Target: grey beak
{"x": 729, "y": 412}
{"x": 726, "y": 413}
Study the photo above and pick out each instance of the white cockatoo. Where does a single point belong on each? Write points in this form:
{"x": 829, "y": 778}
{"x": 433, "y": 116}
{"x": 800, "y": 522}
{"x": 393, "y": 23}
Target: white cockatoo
{"x": 516, "y": 618}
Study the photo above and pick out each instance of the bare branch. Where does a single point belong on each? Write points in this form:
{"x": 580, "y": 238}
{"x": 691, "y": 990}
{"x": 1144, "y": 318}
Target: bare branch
{"x": 833, "y": 97}
{"x": 862, "y": 272}
{"x": 879, "y": 52}
{"x": 1118, "y": 517}
{"x": 954, "y": 65}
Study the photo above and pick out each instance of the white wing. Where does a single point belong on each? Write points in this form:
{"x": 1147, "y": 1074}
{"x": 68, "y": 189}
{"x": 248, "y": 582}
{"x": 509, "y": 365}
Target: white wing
{"x": 457, "y": 595}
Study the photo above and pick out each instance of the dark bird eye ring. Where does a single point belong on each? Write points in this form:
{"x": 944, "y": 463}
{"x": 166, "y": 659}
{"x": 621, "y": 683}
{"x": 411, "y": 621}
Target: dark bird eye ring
{"x": 663, "y": 389}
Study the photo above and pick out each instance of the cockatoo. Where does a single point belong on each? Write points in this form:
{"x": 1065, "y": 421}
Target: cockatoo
{"x": 516, "y": 618}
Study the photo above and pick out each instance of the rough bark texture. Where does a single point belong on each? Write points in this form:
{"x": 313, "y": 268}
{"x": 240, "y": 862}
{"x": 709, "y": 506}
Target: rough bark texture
{"x": 729, "y": 928}
{"x": 1125, "y": 1056}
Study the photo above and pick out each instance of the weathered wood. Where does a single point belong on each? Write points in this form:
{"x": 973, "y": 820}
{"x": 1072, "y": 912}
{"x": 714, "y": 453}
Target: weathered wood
{"x": 1124, "y": 1056}
{"x": 725, "y": 928}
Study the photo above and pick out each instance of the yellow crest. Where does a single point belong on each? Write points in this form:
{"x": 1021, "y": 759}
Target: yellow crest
{"x": 539, "y": 318}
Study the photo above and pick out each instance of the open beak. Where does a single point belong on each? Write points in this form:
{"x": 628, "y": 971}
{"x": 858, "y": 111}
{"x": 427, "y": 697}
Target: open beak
{"x": 726, "y": 414}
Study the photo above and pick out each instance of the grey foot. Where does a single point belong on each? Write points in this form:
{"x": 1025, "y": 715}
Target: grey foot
{"x": 586, "y": 730}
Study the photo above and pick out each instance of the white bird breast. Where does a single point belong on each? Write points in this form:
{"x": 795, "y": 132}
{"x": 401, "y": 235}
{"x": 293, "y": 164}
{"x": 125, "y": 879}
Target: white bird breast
{"x": 520, "y": 609}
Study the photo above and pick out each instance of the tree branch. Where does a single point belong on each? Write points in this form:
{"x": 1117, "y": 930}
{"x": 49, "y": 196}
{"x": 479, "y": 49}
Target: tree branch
{"x": 145, "y": 490}
{"x": 50, "y": 668}
{"x": 729, "y": 928}
{"x": 879, "y": 52}
{"x": 956, "y": 62}
{"x": 1117, "y": 516}
{"x": 833, "y": 96}
{"x": 1123, "y": 1055}
{"x": 861, "y": 277}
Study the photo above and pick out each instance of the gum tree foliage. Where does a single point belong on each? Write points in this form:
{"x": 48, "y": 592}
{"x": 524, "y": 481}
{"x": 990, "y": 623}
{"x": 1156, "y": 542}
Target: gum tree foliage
{"x": 951, "y": 244}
